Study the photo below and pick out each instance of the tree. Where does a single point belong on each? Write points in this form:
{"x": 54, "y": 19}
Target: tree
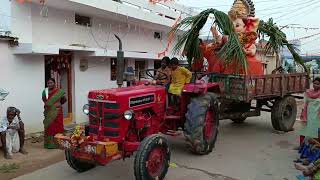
{"x": 289, "y": 67}
{"x": 318, "y": 63}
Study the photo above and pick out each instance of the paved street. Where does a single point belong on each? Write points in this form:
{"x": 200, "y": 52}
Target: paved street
{"x": 249, "y": 151}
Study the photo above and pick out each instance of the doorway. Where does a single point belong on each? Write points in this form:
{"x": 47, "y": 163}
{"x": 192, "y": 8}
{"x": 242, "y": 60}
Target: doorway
{"x": 59, "y": 68}
{"x": 157, "y": 64}
{"x": 139, "y": 65}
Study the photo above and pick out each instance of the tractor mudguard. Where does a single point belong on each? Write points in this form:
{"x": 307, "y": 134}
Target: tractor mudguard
{"x": 201, "y": 87}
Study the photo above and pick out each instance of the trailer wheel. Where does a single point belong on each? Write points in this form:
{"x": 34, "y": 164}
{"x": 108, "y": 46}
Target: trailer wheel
{"x": 201, "y": 126}
{"x": 283, "y": 114}
{"x": 152, "y": 158}
{"x": 239, "y": 120}
{"x": 76, "y": 164}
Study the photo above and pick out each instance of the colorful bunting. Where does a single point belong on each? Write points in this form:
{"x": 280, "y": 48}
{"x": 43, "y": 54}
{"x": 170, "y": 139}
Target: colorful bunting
{"x": 157, "y": 1}
{"x": 170, "y": 38}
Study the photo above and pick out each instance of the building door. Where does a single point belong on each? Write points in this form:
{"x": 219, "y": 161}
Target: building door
{"x": 139, "y": 65}
{"x": 59, "y": 68}
{"x": 157, "y": 64}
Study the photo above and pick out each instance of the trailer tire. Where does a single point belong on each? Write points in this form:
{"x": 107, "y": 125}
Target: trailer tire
{"x": 201, "y": 126}
{"x": 76, "y": 164}
{"x": 152, "y": 158}
{"x": 239, "y": 120}
{"x": 274, "y": 117}
{"x": 283, "y": 114}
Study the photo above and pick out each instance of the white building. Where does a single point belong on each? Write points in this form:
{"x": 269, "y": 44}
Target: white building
{"x": 296, "y": 44}
{"x": 79, "y": 33}
{"x": 287, "y": 56}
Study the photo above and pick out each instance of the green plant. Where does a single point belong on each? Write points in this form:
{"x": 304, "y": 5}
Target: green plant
{"x": 9, "y": 168}
{"x": 232, "y": 50}
{"x": 277, "y": 40}
{"x": 308, "y": 66}
{"x": 318, "y": 63}
{"x": 190, "y": 44}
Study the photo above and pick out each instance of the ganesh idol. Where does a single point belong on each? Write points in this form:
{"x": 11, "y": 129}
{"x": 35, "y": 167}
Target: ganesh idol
{"x": 242, "y": 14}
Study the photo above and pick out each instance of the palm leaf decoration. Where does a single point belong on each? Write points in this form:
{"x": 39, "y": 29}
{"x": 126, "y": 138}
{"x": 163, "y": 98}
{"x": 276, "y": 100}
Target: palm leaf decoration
{"x": 277, "y": 40}
{"x": 189, "y": 41}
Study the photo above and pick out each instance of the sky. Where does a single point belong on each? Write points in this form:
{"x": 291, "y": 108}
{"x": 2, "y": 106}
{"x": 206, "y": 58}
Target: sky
{"x": 301, "y": 14}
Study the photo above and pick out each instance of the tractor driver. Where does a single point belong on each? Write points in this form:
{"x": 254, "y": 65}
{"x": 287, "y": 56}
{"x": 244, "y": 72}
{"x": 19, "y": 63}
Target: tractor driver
{"x": 179, "y": 77}
{"x": 163, "y": 74}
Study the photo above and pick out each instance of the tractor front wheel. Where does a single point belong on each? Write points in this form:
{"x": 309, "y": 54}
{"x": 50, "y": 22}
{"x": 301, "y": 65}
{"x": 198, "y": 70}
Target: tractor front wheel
{"x": 201, "y": 126}
{"x": 76, "y": 164}
{"x": 283, "y": 114}
{"x": 152, "y": 158}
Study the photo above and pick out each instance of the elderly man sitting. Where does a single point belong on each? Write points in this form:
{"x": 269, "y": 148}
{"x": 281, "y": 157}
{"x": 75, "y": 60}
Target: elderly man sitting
{"x": 12, "y": 133}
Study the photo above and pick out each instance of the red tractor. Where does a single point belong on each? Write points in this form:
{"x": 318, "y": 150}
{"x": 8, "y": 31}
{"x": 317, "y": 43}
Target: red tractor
{"x": 130, "y": 119}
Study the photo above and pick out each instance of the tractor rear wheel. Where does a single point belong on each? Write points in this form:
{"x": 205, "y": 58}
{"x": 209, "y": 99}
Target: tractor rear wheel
{"x": 152, "y": 159}
{"x": 201, "y": 126}
{"x": 283, "y": 114}
{"x": 76, "y": 164}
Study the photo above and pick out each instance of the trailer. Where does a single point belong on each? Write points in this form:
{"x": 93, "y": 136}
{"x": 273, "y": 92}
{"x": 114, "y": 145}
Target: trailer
{"x": 243, "y": 96}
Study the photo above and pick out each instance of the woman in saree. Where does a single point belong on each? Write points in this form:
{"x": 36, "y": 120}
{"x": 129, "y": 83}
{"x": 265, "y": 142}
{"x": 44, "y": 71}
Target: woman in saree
{"x": 309, "y": 135}
{"x": 311, "y": 112}
{"x": 53, "y": 99}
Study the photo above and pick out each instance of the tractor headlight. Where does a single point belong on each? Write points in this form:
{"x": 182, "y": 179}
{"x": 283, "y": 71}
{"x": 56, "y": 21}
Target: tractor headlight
{"x": 85, "y": 109}
{"x": 128, "y": 115}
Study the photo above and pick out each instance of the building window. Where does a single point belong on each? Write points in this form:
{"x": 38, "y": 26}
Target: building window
{"x": 83, "y": 20}
{"x": 113, "y": 69}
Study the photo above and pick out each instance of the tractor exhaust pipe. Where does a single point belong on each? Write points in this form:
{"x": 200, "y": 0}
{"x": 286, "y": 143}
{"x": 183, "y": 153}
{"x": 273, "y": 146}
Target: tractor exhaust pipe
{"x": 120, "y": 63}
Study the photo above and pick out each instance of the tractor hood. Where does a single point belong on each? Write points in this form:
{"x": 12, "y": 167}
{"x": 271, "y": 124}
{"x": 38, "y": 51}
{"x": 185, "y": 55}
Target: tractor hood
{"x": 129, "y": 97}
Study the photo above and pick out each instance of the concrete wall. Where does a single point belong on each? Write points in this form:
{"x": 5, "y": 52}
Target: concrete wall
{"x": 23, "y": 77}
{"x": 21, "y": 22}
{"x": 97, "y": 76}
{"x": 269, "y": 60}
{"x": 5, "y": 13}
{"x": 26, "y": 72}
{"x": 59, "y": 28}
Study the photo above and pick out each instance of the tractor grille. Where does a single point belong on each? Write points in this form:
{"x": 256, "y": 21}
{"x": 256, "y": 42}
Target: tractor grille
{"x": 110, "y": 119}
{"x": 111, "y": 106}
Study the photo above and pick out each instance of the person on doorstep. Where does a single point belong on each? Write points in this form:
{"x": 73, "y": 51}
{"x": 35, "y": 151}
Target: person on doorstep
{"x": 53, "y": 99}
{"x": 12, "y": 133}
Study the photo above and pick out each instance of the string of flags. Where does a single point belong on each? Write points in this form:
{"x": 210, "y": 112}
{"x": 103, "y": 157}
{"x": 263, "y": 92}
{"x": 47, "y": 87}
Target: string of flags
{"x": 30, "y": 1}
{"x": 24, "y": 1}
{"x": 306, "y": 37}
{"x": 299, "y": 27}
{"x": 157, "y": 1}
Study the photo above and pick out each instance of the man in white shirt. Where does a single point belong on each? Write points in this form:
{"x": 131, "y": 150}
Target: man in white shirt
{"x": 12, "y": 133}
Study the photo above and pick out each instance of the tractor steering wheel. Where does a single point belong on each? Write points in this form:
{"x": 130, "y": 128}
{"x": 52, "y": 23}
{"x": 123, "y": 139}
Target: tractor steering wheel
{"x": 162, "y": 77}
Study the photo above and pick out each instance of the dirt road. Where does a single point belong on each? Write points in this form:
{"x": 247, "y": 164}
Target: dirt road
{"x": 250, "y": 151}
{"x": 37, "y": 158}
